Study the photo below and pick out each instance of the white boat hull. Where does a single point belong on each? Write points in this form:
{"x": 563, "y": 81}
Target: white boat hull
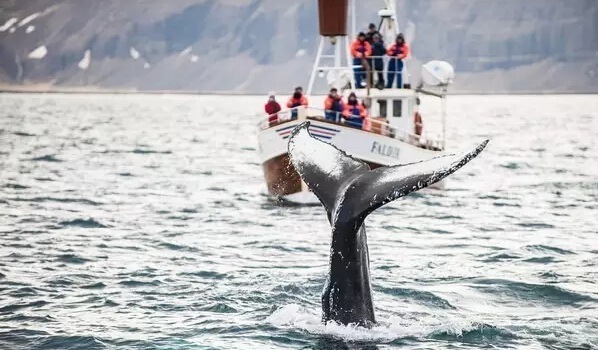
{"x": 373, "y": 148}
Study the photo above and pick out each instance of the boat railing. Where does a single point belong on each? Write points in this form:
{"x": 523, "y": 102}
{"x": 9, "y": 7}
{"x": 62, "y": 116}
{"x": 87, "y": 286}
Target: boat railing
{"x": 368, "y": 124}
{"x": 373, "y": 62}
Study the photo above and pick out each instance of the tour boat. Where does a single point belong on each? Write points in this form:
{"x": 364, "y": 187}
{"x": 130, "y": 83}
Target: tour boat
{"x": 389, "y": 135}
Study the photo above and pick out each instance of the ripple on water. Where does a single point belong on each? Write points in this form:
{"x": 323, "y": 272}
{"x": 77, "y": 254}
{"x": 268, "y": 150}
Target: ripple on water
{"x": 47, "y": 158}
{"x": 15, "y": 186}
{"x": 543, "y": 293}
{"x": 56, "y": 199}
{"x": 206, "y": 274}
{"x": 548, "y": 249}
{"x": 72, "y": 259}
{"x": 83, "y": 223}
{"x": 418, "y": 296}
{"x": 19, "y": 306}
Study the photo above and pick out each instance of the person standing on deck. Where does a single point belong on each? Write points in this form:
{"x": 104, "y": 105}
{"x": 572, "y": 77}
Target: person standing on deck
{"x": 360, "y": 49}
{"x": 398, "y": 51}
{"x": 378, "y": 51}
{"x": 272, "y": 108}
{"x": 333, "y": 105}
{"x": 369, "y": 37}
{"x": 354, "y": 112}
{"x": 372, "y": 31}
{"x": 296, "y": 100}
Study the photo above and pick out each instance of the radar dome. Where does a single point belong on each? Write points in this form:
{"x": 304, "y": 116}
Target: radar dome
{"x": 437, "y": 73}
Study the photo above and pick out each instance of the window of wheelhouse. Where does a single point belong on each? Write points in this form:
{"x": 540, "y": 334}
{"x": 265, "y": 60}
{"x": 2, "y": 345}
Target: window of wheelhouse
{"x": 382, "y": 108}
{"x": 397, "y": 108}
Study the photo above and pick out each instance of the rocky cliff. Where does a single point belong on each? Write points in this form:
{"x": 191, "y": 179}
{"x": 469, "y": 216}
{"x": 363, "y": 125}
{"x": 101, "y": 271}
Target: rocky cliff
{"x": 261, "y": 45}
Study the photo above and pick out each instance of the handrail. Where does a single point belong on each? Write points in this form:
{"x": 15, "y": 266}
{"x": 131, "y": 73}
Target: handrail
{"x": 383, "y": 127}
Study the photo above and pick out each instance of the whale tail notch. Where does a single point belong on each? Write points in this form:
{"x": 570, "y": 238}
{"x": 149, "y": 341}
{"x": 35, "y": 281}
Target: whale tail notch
{"x": 347, "y": 187}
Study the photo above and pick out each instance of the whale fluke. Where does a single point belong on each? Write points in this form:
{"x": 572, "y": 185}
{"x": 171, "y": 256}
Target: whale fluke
{"x": 343, "y": 182}
{"x": 349, "y": 191}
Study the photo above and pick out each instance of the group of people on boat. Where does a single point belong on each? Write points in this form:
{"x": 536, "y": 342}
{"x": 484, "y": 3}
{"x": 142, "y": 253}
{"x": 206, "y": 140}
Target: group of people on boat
{"x": 272, "y": 107}
{"x": 368, "y": 51}
{"x": 352, "y": 111}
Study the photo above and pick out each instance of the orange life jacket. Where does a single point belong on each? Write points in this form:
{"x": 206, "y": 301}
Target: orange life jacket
{"x": 358, "y": 47}
{"x": 397, "y": 51}
{"x": 293, "y": 102}
{"x": 354, "y": 110}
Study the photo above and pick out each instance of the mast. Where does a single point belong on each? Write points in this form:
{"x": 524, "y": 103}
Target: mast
{"x": 334, "y": 44}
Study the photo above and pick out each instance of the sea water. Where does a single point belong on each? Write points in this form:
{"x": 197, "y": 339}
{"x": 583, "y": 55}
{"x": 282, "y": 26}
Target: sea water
{"x": 142, "y": 222}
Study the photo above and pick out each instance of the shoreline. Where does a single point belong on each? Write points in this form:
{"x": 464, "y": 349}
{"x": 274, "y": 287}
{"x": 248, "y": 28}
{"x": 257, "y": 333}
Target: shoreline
{"x": 101, "y": 91}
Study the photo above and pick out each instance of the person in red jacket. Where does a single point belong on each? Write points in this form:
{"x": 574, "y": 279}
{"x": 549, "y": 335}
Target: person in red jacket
{"x": 333, "y": 105}
{"x": 398, "y": 51}
{"x": 354, "y": 112}
{"x": 272, "y": 108}
{"x": 360, "y": 49}
{"x": 296, "y": 100}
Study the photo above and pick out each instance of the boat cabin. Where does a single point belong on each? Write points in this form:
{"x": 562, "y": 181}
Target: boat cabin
{"x": 396, "y": 106}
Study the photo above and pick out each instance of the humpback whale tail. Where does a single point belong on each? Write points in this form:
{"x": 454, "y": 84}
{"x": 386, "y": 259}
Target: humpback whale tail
{"x": 347, "y": 187}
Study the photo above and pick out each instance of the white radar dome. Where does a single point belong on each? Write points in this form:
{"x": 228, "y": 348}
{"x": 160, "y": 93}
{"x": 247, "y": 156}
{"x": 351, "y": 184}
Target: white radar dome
{"x": 437, "y": 73}
{"x": 386, "y": 13}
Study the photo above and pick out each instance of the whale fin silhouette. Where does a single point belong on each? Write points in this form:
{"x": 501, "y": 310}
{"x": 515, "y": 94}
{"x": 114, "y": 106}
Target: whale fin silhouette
{"x": 346, "y": 186}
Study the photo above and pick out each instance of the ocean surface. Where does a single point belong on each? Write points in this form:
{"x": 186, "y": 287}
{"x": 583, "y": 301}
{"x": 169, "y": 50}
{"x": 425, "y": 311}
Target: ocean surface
{"x": 142, "y": 222}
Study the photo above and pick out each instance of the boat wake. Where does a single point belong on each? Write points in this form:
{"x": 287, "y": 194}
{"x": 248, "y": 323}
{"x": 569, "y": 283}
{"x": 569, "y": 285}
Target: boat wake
{"x": 293, "y": 316}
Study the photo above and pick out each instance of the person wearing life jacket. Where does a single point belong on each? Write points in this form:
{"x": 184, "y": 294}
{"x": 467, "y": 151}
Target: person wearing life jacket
{"x": 296, "y": 100}
{"x": 272, "y": 108}
{"x": 354, "y": 112}
{"x": 398, "y": 51}
{"x": 360, "y": 49}
{"x": 333, "y": 105}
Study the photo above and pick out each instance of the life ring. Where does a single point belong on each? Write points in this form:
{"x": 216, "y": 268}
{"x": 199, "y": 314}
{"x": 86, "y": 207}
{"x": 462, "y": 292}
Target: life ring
{"x": 418, "y": 124}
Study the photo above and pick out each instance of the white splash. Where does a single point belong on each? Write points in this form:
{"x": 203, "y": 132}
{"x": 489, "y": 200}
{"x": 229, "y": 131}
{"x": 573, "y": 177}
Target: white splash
{"x": 293, "y": 316}
{"x": 29, "y": 29}
{"x": 194, "y": 58}
{"x": 29, "y": 19}
{"x": 146, "y": 65}
{"x": 134, "y": 53}
{"x": 85, "y": 61}
{"x": 38, "y": 53}
{"x": 12, "y": 29}
{"x": 8, "y": 24}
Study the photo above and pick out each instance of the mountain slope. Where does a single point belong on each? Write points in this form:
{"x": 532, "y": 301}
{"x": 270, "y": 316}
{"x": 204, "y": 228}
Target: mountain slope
{"x": 261, "y": 45}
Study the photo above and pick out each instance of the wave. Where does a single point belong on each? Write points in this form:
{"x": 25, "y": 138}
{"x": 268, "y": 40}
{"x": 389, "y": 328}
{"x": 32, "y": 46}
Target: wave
{"x": 546, "y": 293}
{"x": 546, "y": 248}
{"x": 56, "y": 199}
{"x": 205, "y": 274}
{"x": 46, "y": 158}
{"x": 72, "y": 259}
{"x": 84, "y": 223}
{"x": 19, "y": 306}
{"x": 419, "y": 296}
{"x": 148, "y": 151}
{"x": 15, "y": 186}
{"x": 24, "y": 134}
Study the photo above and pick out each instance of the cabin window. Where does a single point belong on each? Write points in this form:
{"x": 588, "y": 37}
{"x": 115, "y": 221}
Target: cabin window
{"x": 397, "y": 108}
{"x": 382, "y": 108}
